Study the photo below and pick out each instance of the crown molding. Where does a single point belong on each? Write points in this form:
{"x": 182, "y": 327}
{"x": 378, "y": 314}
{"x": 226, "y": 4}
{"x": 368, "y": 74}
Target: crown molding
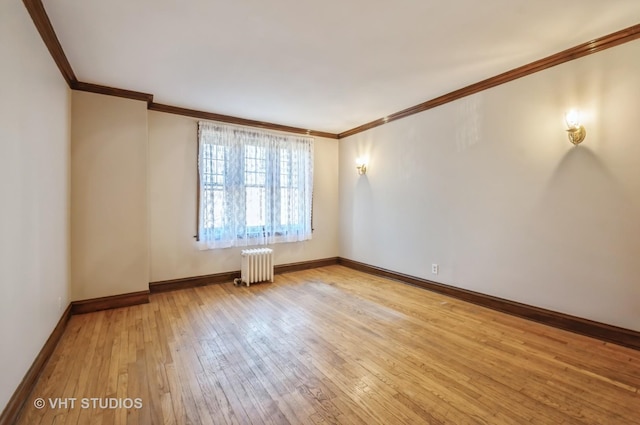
{"x": 112, "y": 91}
{"x": 43, "y": 24}
{"x": 584, "y": 49}
{"x": 235, "y": 120}
{"x": 44, "y": 27}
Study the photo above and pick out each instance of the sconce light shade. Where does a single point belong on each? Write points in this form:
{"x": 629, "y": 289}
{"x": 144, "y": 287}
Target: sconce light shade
{"x": 575, "y": 129}
{"x": 361, "y": 166}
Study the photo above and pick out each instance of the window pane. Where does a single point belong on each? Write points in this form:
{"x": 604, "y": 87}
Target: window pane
{"x": 255, "y": 159}
{"x": 213, "y": 209}
{"x": 294, "y": 213}
{"x": 289, "y": 202}
{"x": 255, "y": 206}
{"x": 207, "y": 212}
{"x": 212, "y": 166}
{"x": 285, "y": 168}
{"x": 218, "y": 209}
{"x": 250, "y": 179}
{"x": 284, "y": 207}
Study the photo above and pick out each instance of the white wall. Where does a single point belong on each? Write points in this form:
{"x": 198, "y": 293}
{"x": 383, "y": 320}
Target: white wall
{"x": 490, "y": 188}
{"x": 173, "y": 151}
{"x": 109, "y": 199}
{"x": 34, "y": 195}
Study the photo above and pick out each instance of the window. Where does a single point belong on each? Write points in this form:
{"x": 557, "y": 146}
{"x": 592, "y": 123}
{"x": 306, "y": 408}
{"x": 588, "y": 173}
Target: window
{"x": 255, "y": 186}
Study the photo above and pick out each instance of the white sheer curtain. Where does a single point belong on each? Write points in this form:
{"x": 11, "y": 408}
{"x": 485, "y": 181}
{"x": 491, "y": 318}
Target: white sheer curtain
{"x": 255, "y": 186}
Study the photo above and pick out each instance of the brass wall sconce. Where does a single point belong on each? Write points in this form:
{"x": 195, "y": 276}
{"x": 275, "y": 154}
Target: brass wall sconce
{"x": 361, "y": 166}
{"x": 575, "y": 129}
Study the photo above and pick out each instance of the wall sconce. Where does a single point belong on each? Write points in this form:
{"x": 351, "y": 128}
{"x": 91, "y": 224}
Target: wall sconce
{"x": 575, "y": 129}
{"x": 361, "y": 165}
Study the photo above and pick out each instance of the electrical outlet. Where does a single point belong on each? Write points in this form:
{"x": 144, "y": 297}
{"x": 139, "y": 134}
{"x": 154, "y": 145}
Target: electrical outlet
{"x": 434, "y": 268}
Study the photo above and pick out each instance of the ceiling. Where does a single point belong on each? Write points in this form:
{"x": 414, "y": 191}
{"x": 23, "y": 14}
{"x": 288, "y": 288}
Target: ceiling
{"x": 325, "y": 65}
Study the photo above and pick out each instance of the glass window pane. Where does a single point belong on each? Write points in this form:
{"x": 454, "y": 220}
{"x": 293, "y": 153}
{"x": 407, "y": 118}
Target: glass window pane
{"x": 284, "y": 207}
{"x": 218, "y": 209}
{"x": 255, "y": 204}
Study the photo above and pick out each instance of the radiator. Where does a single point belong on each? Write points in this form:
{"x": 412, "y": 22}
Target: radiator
{"x": 257, "y": 265}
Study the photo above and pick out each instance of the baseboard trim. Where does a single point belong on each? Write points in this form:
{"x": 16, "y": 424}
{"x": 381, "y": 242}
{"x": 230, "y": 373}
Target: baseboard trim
{"x": 305, "y": 265}
{"x": 621, "y": 336}
{"x": 106, "y": 303}
{"x": 192, "y": 282}
{"x": 14, "y": 407}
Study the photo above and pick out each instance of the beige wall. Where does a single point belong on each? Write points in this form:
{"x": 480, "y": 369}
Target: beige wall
{"x": 34, "y": 195}
{"x": 489, "y": 188}
{"x": 173, "y": 190}
{"x": 109, "y": 215}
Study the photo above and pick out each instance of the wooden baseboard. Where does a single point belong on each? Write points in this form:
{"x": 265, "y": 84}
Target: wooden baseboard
{"x": 602, "y": 331}
{"x": 21, "y": 394}
{"x": 105, "y": 303}
{"x": 305, "y": 265}
{"x": 16, "y": 402}
{"x": 191, "y": 282}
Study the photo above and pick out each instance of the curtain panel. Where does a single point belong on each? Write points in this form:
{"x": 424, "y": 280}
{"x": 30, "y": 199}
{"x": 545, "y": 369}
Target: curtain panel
{"x": 255, "y": 186}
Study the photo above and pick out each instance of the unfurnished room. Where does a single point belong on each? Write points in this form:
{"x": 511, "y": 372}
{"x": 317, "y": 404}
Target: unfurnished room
{"x": 319, "y": 212}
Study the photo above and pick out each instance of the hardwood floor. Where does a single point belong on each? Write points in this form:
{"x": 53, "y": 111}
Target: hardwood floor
{"x": 330, "y": 345}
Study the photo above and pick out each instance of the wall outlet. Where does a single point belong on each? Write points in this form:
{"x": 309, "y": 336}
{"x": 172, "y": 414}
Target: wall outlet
{"x": 434, "y": 268}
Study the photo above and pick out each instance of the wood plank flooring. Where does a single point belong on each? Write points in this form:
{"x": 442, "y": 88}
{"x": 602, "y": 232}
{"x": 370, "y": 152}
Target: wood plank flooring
{"x": 330, "y": 345}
